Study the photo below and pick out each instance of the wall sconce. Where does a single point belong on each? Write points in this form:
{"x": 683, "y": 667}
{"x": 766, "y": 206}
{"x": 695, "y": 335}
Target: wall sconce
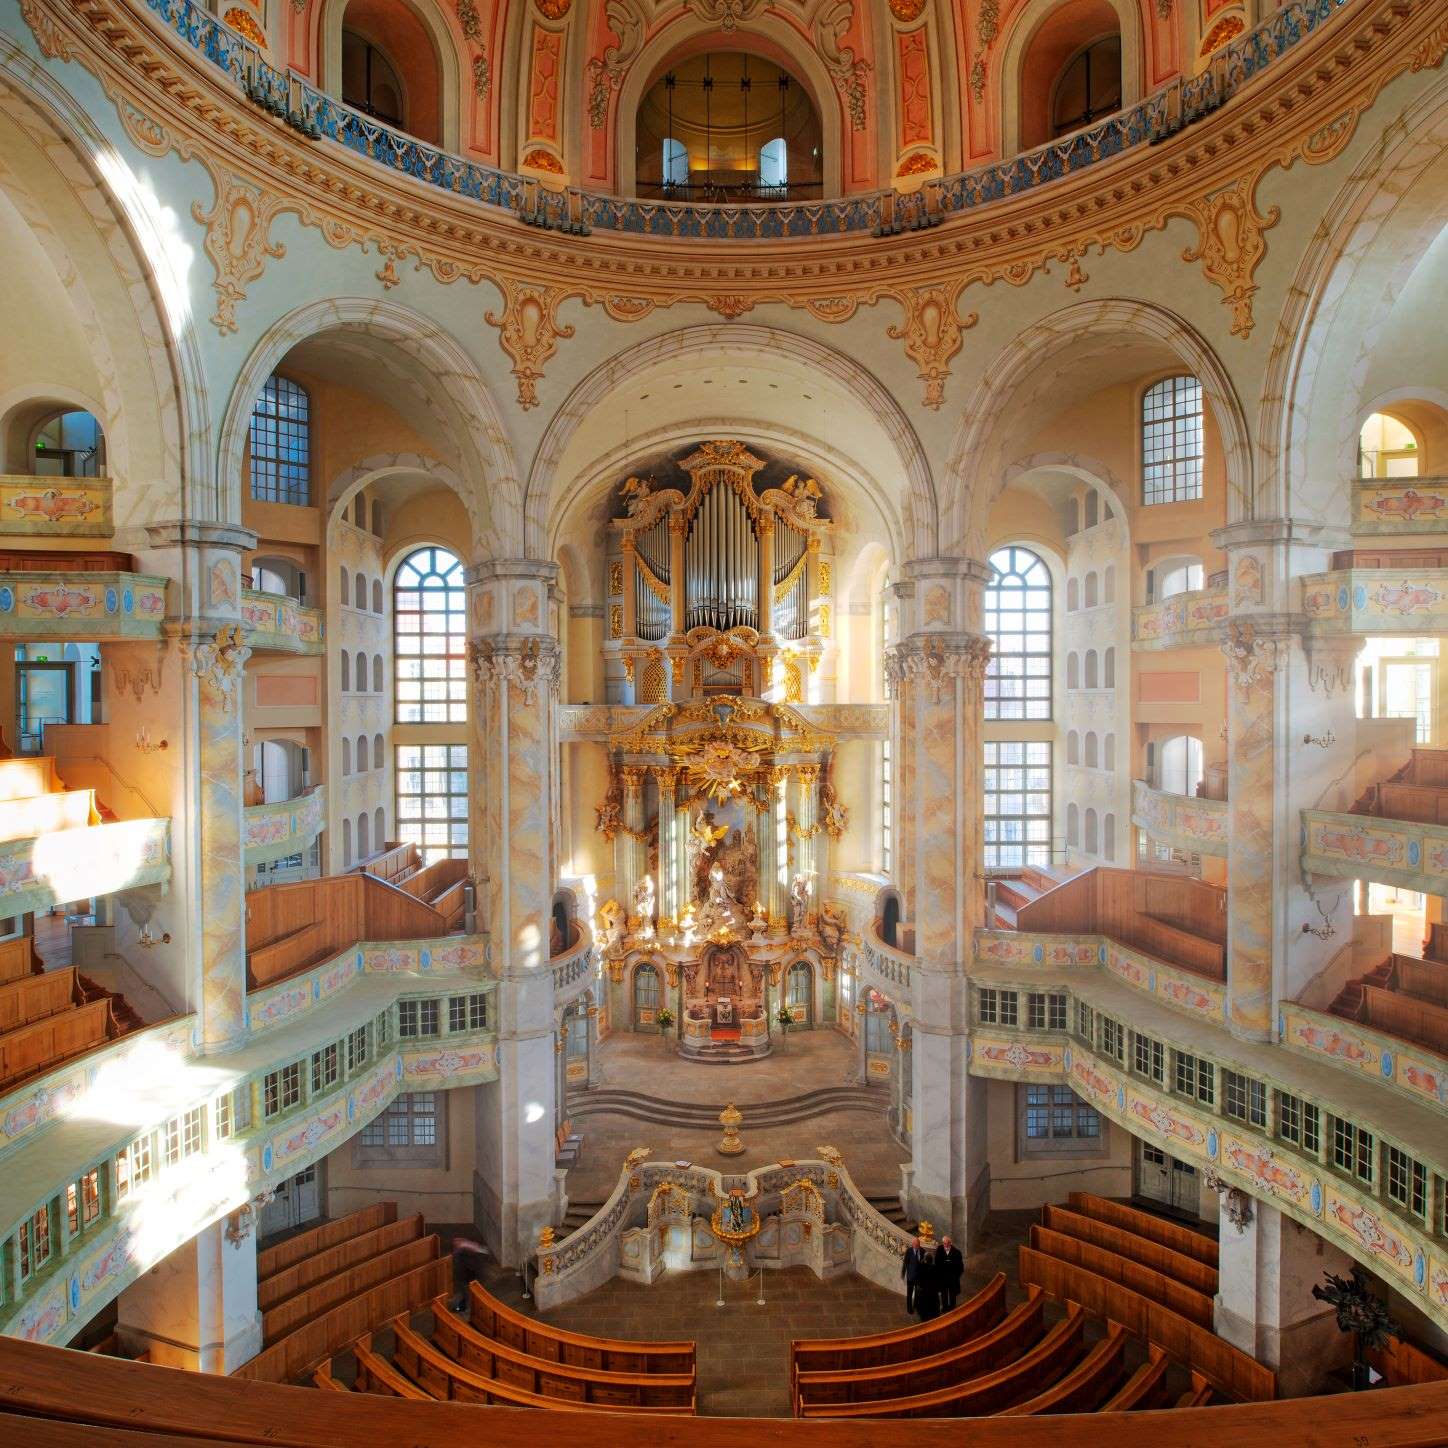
{"x": 1322, "y": 741}
{"x": 149, "y": 939}
{"x": 143, "y": 741}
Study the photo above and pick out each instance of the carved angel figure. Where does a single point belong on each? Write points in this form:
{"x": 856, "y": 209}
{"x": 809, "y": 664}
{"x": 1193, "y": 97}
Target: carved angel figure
{"x": 635, "y": 493}
{"x": 798, "y": 902}
{"x": 643, "y": 901}
{"x": 608, "y": 924}
{"x": 609, "y": 814}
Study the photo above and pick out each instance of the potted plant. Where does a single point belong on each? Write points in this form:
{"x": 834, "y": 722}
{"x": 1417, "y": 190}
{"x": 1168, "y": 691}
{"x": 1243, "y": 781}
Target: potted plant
{"x": 665, "y": 1019}
{"x": 785, "y": 1017}
{"x": 1360, "y": 1313}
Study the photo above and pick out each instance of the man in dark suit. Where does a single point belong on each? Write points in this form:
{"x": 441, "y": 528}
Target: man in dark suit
{"x": 949, "y": 1269}
{"x": 927, "y": 1289}
{"x": 913, "y": 1268}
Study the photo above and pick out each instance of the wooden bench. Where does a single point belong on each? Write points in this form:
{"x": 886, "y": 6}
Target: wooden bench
{"x": 330, "y": 1260}
{"x": 1193, "y": 1305}
{"x": 466, "y": 1346}
{"x": 323, "y": 1379}
{"x": 306, "y": 1245}
{"x": 1144, "y": 1388}
{"x": 34, "y": 997}
{"x": 17, "y": 959}
{"x": 1406, "y": 1017}
{"x": 295, "y": 951}
{"x": 1198, "y": 1395}
{"x": 1144, "y": 1224}
{"x": 376, "y": 1375}
{"x": 1052, "y": 1357}
{"x": 493, "y": 1320}
{"x": 1425, "y": 980}
{"x": 1191, "y": 1271}
{"x": 38, "y": 1047}
{"x": 1007, "y": 1340}
{"x": 1087, "y": 1385}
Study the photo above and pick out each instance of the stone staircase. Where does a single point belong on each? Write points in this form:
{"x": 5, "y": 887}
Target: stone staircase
{"x": 704, "y": 1116}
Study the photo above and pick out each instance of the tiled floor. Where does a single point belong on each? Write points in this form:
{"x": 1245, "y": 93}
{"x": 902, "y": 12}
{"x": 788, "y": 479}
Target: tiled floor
{"x": 811, "y": 1060}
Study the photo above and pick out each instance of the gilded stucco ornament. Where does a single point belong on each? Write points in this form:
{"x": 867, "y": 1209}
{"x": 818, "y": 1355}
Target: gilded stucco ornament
{"x": 530, "y": 664}
{"x": 529, "y": 331}
{"x": 1230, "y": 243}
{"x": 931, "y": 332}
{"x": 220, "y": 662}
{"x": 847, "y": 71}
{"x": 238, "y": 238}
{"x": 470, "y": 21}
{"x": 606, "y": 72}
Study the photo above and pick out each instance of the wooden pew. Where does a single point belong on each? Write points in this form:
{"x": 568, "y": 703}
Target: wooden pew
{"x": 1230, "y": 1371}
{"x": 44, "y": 814}
{"x": 17, "y": 958}
{"x": 288, "y": 1316}
{"x": 834, "y": 1354}
{"x": 465, "y": 1345}
{"x": 1144, "y": 1224}
{"x": 1405, "y": 1364}
{"x": 31, "y": 1049}
{"x": 330, "y": 1260}
{"x": 34, "y": 997}
{"x": 1055, "y": 1355}
{"x": 1193, "y": 1305}
{"x": 1143, "y": 1389}
{"x": 495, "y": 1320}
{"x": 323, "y": 1379}
{"x": 448, "y": 1381}
{"x": 1191, "y": 1271}
{"x": 376, "y": 1375}
{"x": 1406, "y": 1017}
{"x": 1198, "y": 1395}
{"x": 1017, "y": 1332}
{"x": 1087, "y": 1385}
{"x": 1425, "y": 980}
{"x": 308, "y": 1244}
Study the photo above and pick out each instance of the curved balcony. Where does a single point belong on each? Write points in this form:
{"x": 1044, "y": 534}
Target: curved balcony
{"x": 1183, "y": 621}
{"x": 81, "y": 606}
{"x": 1402, "y": 507}
{"x": 887, "y": 967}
{"x": 81, "y": 864}
{"x": 1410, "y": 600}
{"x": 46, "y": 507}
{"x": 320, "y": 118}
{"x": 1185, "y": 822}
{"x": 274, "y": 831}
{"x": 1405, "y": 853}
{"x": 574, "y": 969}
{"x": 277, "y": 624}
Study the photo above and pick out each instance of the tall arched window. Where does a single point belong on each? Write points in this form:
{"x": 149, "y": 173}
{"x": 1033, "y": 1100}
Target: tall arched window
{"x": 1092, "y": 679}
{"x": 377, "y": 751}
{"x": 376, "y": 595}
{"x": 1018, "y": 621}
{"x": 369, "y": 80}
{"x": 346, "y": 843}
{"x": 1073, "y": 826}
{"x": 346, "y": 672}
{"x": 361, "y": 672}
{"x": 364, "y": 836}
{"x": 363, "y": 755}
{"x": 1092, "y": 587}
{"x": 377, "y": 673}
{"x": 1180, "y": 770}
{"x": 1093, "y": 750}
{"x": 1091, "y": 842}
{"x": 429, "y": 633}
{"x": 645, "y": 995}
{"x": 281, "y": 444}
{"x": 1073, "y": 670}
{"x": 346, "y": 755}
{"x": 774, "y": 163}
{"x": 345, "y": 580}
{"x": 675, "y": 162}
{"x": 1073, "y": 747}
{"x": 379, "y": 828}
{"x": 1108, "y": 670}
{"x": 1108, "y": 752}
{"x": 1171, "y": 441}
{"x": 1108, "y": 837}
{"x": 1089, "y": 86}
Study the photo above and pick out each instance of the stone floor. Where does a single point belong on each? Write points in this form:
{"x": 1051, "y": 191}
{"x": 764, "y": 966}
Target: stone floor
{"x": 811, "y": 1059}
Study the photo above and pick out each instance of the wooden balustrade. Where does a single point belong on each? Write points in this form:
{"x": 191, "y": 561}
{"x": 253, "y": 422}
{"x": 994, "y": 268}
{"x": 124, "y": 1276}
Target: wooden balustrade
{"x": 836, "y": 1354}
{"x": 297, "y": 1355}
{"x": 500, "y": 1323}
{"x": 567, "y": 1383}
{"x": 286, "y": 1317}
{"x": 1002, "y": 1344}
{"x": 1191, "y": 1271}
{"x": 1051, "y": 1358}
{"x": 1418, "y": 803}
{"x": 1087, "y": 1385}
{"x": 102, "y": 1402}
{"x": 34, "y": 997}
{"x": 326, "y": 1262}
{"x": 1144, "y": 1224}
{"x": 1193, "y": 1305}
{"x": 393, "y": 863}
{"x": 1227, "y": 1369}
{"x": 44, "y": 1044}
{"x": 1406, "y": 1017}
{"x": 1427, "y": 766}
{"x": 318, "y": 1239}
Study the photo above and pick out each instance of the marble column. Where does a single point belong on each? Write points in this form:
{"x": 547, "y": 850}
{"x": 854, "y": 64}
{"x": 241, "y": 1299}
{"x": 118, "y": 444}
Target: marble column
{"x": 771, "y": 866}
{"x": 670, "y": 881}
{"x": 515, "y": 666}
{"x": 1285, "y": 690}
{"x": 806, "y": 831}
{"x": 632, "y": 848}
{"x": 936, "y": 675}
{"x": 199, "y": 707}
{"x": 1264, "y": 1305}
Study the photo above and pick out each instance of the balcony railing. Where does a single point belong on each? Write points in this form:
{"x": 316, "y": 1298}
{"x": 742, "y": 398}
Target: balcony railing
{"x": 274, "y": 831}
{"x": 1367, "y": 847}
{"x": 1388, "y": 506}
{"x": 1186, "y": 822}
{"x": 44, "y": 507}
{"x": 279, "y": 624}
{"x": 89, "y": 606}
{"x": 1185, "y": 620}
{"x": 80, "y": 864}
{"x": 1408, "y": 600}
{"x": 318, "y": 116}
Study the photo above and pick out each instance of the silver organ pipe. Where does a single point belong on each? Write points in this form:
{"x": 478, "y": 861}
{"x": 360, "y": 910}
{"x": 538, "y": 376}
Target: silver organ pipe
{"x": 721, "y": 563}
{"x": 791, "y": 613}
{"x": 651, "y": 613}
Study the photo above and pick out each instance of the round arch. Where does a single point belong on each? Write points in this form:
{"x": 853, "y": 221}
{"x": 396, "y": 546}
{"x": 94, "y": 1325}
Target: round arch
{"x": 914, "y": 521}
{"x": 971, "y": 493}
{"x": 473, "y": 418}
{"x": 765, "y": 36}
{"x": 1032, "y": 17}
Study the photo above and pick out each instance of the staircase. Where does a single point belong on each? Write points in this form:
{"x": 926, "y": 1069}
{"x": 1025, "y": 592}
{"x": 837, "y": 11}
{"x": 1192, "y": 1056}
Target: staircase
{"x": 1015, "y": 891}
{"x": 891, "y": 1210}
{"x": 577, "y": 1215}
{"x": 1350, "y": 998}
{"x": 704, "y": 1116}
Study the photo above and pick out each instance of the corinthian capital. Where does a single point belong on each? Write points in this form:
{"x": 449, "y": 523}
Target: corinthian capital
{"x": 935, "y": 660}
{"x": 531, "y": 663}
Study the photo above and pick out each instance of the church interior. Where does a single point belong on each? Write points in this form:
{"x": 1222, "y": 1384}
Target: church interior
{"x": 725, "y": 709}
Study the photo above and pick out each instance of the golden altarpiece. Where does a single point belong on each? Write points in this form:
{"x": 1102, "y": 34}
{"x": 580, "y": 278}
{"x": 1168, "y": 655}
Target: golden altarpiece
{"x": 720, "y": 801}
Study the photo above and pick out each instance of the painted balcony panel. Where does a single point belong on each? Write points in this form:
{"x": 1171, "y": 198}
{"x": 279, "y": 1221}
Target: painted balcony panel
{"x": 1364, "y": 847}
{"x": 274, "y": 831}
{"x": 1377, "y": 601}
{"x": 1401, "y": 507}
{"x": 1413, "y": 1069}
{"x": 1182, "y": 821}
{"x": 33, "y": 507}
{"x": 1185, "y": 620}
{"x": 82, "y": 606}
{"x": 67, "y": 865}
{"x": 275, "y": 623}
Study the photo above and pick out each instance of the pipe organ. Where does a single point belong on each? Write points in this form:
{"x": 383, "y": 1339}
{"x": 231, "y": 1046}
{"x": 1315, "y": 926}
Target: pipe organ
{"x": 711, "y": 583}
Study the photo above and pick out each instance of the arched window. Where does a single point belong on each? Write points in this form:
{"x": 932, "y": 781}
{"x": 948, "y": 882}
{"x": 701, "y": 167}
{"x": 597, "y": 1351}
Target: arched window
{"x": 1108, "y": 584}
{"x": 774, "y": 163}
{"x": 346, "y": 756}
{"x": 1073, "y": 594}
{"x": 1108, "y": 752}
{"x": 1092, "y": 586}
{"x": 675, "y": 162}
{"x": 1108, "y": 670}
{"x": 1093, "y": 671}
{"x": 346, "y": 672}
{"x": 364, "y": 836}
{"x": 360, "y": 591}
{"x": 645, "y": 995}
{"x": 362, "y": 752}
{"x": 369, "y": 81}
{"x": 377, "y": 751}
{"x": 1073, "y": 826}
{"x": 1018, "y": 621}
{"x": 1093, "y": 508}
{"x": 345, "y": 579}
{"x": 1175, "y": 575}
{"x": 1091, "y": 841}
{"x": 379, "y": 826}
{"x": 359, "y": 511}
{"x": 429, "y": 633}
{"x": 1073, "y": 670}
{"x": 346, "y": 843}
{"x": 1093, "y": 756}
{"x": 376, "y": 673}
{"x": 1073, "y": 748}
{"x": 1180, "y": 769}
{"x": 1089, "y": 86}
{"x": 361, "y": 672}
{"x": 799, "y": 992}
{"x": 281, "y": 444}
{"x": 1108, "y": 837}
{"x": 70, "y": 445}
{"x": 279, "y": 768}
{"x": 376, "y": 595}
{"x": 1387, "y": 449}
{"x": 1171, "y": 441}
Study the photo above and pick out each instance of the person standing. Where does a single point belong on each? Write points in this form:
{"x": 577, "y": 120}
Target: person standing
{"x": 949, "y": 1269}
{"x": 467, "y": 1267}
{"x": 927, "y": 1286}
{"x": 912, "y": 1270}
